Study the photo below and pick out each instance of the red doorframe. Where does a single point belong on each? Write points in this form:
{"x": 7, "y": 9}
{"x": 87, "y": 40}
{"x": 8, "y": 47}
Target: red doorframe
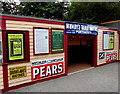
{"x": 95, "y": 50}
{"x": 66, "y": 52}
{"x": 118, "y": 45}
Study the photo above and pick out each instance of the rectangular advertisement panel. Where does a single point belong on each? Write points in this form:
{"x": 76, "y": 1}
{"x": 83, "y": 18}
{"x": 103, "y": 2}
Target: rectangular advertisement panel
{"x": 47, "y": 68}
{"x": 17, "y": 72}
{"x": 111, "y": 56}
{"x": 57, "y": 40}
{"x": 15, "y": 46}
{"x": 108, "y": 40}
{"x": 76, "y": 28}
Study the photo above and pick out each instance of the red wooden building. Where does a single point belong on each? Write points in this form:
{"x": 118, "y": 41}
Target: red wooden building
{"x": 33, "y": 50}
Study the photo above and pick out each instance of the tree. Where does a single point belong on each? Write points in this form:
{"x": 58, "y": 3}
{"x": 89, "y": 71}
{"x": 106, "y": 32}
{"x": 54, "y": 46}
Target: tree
{"x": 9, "y": 8}
{"x": 94, "y": 12}
{"x": 82, "y": 12}
{"x": 49, "y": 10}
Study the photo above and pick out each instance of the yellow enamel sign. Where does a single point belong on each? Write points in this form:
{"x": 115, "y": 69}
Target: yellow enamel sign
{"x": 111, "y": 41}
{"x": 17, "y": 72}
{"x": 15, "y": 46}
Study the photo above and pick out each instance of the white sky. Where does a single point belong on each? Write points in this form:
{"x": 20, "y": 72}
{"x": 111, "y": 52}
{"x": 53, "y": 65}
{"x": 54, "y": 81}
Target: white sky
{"x": 17, "y": 1}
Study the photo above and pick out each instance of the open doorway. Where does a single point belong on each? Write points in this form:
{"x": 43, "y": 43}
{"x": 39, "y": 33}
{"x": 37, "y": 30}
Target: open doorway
{"x": 80, "y": 52}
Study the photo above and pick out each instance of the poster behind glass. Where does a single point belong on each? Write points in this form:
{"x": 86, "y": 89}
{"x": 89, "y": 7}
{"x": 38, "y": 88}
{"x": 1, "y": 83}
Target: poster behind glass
{"x": 15, "y": 47}
{"x": 108, "y": 40}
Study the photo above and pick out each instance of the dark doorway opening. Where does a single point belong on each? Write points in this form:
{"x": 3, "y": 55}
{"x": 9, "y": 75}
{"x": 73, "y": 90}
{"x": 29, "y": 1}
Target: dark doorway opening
{"x": 80, "y": 52}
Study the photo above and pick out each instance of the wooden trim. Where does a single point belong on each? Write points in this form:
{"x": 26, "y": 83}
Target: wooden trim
{"x": 51, "y": 40}
{"x": 3, "y": 25}
{"x": 27, "y": 44}
{"x": 57, "y": 52}
{"x": 34, "y": 40}
{"x": 5, "y": 67}
{"x": 32, "y": 20}
{"x": 66, "y": 52}
{"x": 58, "y": 28}
{"x": 118, "y": 46}
{"x": 110, "y": 22}
{"x": 95, "y": 51}
{"x": 106, "y": 28}
{"x": 103, "y": 41}
{"x": 5, "y": 77}
{"x": 118, "y": 32}
{"x": 30, "y": 83}
{"x": 107, "y": 63}
{"x": 0, "y": 90}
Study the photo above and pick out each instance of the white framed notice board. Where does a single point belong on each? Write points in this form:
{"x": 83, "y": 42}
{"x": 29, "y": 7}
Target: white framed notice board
{"x": 41, "y": 41}
{"x": 108, "y": 40}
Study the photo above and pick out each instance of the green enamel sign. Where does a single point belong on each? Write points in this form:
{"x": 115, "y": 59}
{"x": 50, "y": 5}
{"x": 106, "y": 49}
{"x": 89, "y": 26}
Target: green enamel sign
{"x": 57, "y": 40}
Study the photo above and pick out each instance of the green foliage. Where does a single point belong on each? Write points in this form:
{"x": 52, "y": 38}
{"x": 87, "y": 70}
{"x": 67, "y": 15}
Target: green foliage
{"x": 9, "y": 8}
{"x": 38, "y": 9}
{"x": 93, "y": 12}
{"x": 82, "y": 12}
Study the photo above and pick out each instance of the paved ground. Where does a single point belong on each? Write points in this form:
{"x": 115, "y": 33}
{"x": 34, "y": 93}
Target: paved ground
{"x": 100, "y": 79}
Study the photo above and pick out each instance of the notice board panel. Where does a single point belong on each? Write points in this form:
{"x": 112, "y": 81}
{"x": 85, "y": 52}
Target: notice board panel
{"x": 15, "y": 46}
{"x": 108, "y": 40}
{"x": 41, "y": 40}
{"x": 57, "y": 40}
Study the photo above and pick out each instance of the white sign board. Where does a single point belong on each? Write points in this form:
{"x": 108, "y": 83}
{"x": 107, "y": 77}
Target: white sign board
{"x": 41, "y": 39}
{"x": 106, "y": 41}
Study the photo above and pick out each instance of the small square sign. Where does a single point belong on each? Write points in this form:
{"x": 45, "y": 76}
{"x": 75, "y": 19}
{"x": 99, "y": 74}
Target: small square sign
{"x": 101, "y": 55}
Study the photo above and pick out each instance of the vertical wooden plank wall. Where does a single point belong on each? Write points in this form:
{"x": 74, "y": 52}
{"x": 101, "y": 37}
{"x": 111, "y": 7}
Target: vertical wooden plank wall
{"x": 23, "y": 25}
{"x": 100, "y": 45}
{"x": 1, "y": 77}
{"x": 1, "y": 67}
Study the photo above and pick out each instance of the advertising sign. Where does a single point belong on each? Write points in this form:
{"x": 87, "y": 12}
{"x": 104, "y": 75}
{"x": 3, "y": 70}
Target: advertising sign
{"x": 108, "y": 40}
{"x": 47, "y": 68}
{"x": 76, "y": 28}
{"x": 101, "y": 55}
{"x": 41, "y": 38}
{"x": 15, "y": 46}
{"x": 57, "y": 40}
{"x": 111, "y": 56}
{"x": 17, "y": 72}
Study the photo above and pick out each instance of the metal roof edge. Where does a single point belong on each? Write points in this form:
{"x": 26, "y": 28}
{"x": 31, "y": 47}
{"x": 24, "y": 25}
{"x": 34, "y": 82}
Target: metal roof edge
{"x": 107, "y": 27}
{"x": 29, "y": 17}
{"x": 110, "y": 22}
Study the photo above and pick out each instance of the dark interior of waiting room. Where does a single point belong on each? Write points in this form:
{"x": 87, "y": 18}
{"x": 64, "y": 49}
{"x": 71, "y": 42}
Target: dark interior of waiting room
{"x": 80, "y": 52}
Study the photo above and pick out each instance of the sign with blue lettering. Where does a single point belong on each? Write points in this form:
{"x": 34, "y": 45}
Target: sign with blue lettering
{"x": 76, "y": 28}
